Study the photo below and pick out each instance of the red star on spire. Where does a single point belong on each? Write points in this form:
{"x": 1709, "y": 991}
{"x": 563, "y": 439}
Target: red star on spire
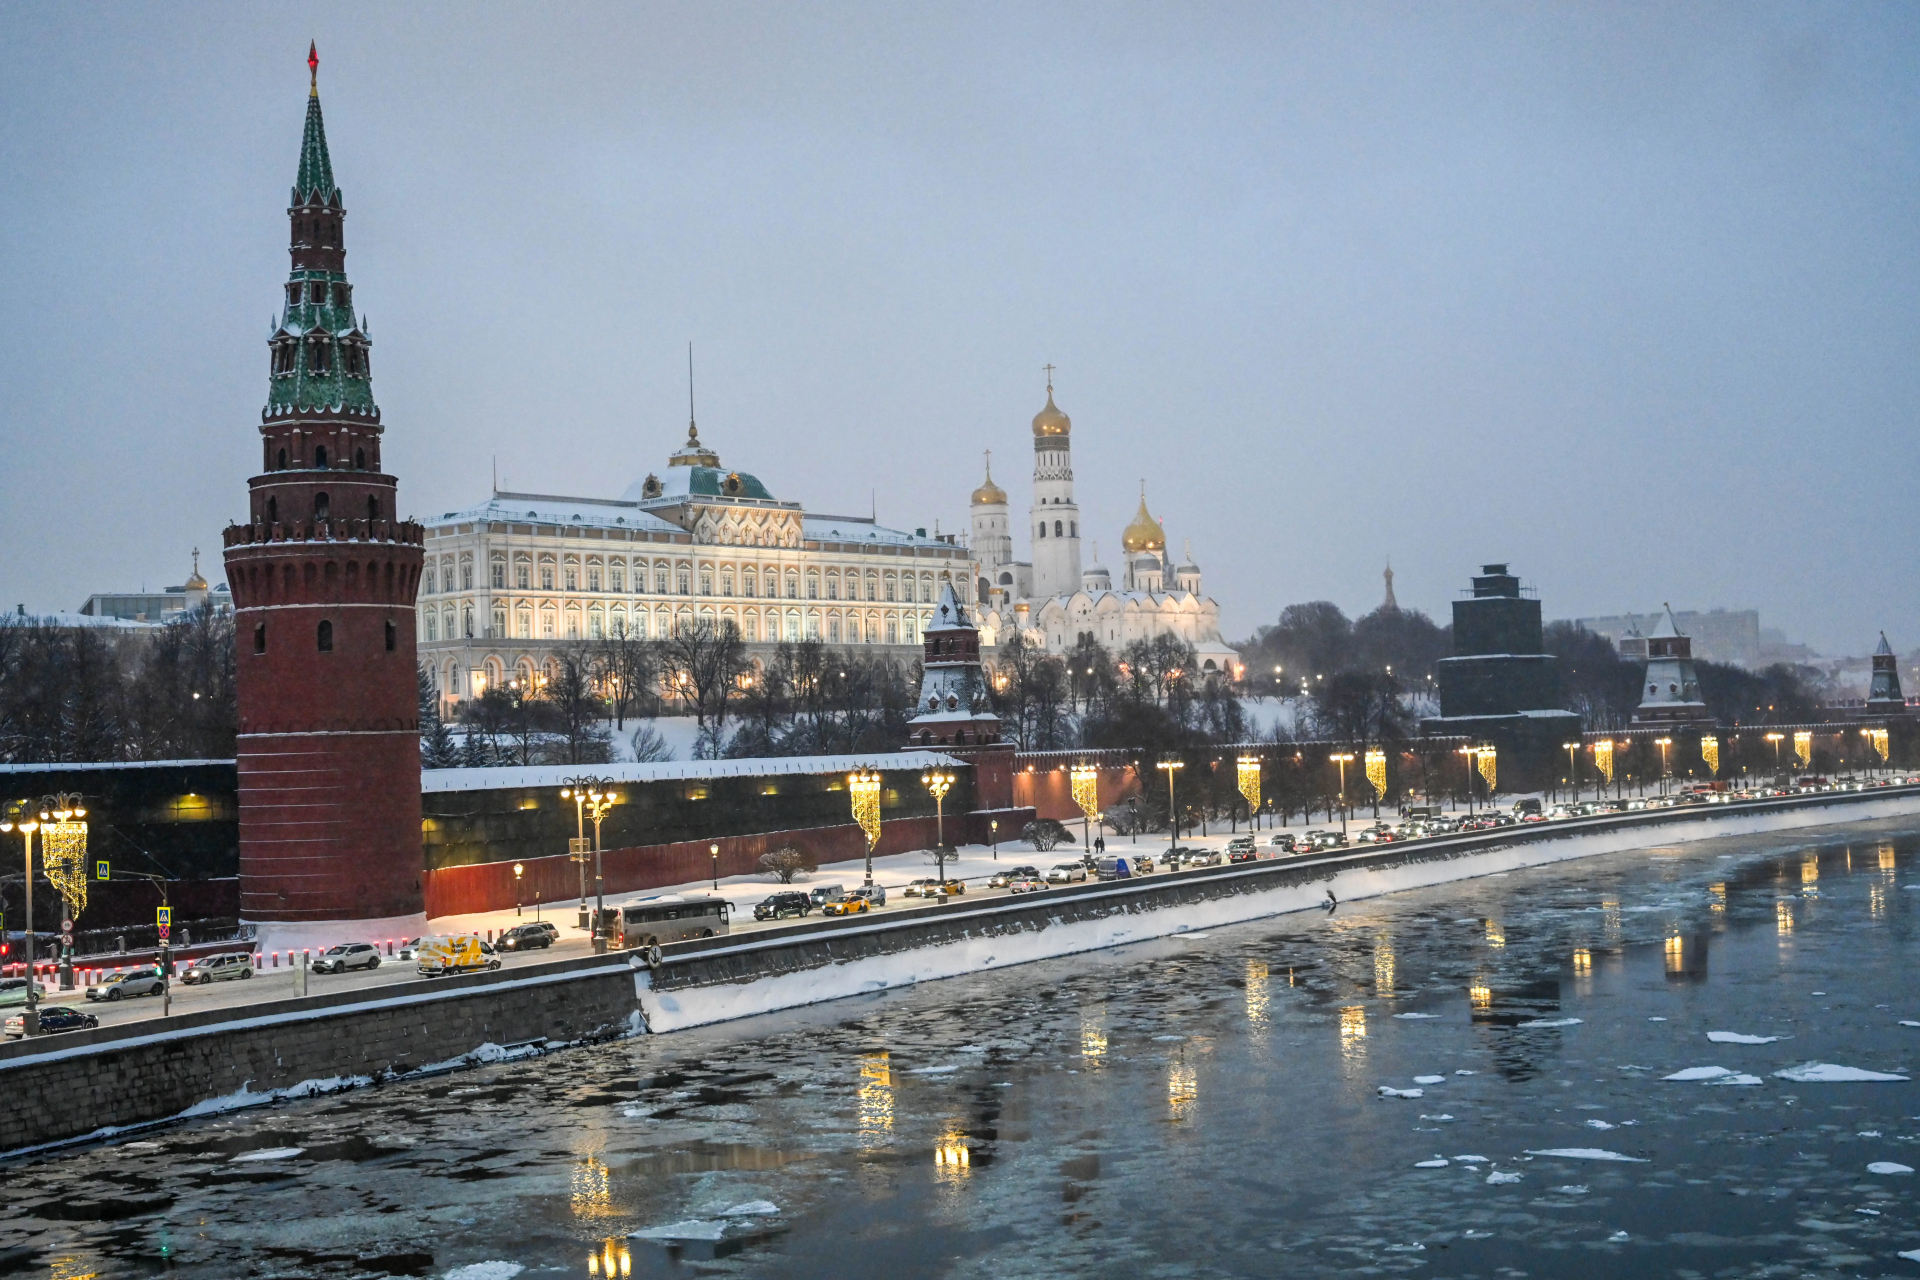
{"x": 313, "y": 63}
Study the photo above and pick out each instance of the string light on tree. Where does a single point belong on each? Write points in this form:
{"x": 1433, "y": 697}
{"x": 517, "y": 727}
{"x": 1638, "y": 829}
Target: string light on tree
{"x": 1603, "y": 759}
{"x": 1710, "y": 752}
{"x": 1248, "y": 768}
{"x": 863, "y": 786}
{"x": 1803, "y": 748}
{"x": 1377, "y": 772}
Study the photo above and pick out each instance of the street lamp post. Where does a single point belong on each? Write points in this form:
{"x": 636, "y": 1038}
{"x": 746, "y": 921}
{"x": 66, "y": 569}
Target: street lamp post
{"x": 1573, "y": 768}
{"x": 1469, "y": 752}
{"x": 1173, "y": 821}
{"x": 20, "y": 818}
{"x": 592, "y": 798}
{"x": 1776, "y": 739}
{"x": 993, "y": 829}
{"x": 1343, "y": 759}
{"x": 939, "y": 784}
{"x": 1663, "y": 744}
{"x": 713, "y": 851}
{"x": 519, "y": 869}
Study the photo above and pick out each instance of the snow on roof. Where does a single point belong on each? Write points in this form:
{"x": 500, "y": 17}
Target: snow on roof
{"x": 92, "y": 765}
{"x": 107, "y": 621}
{"x": 538, "y": 508}
{"x": 556, "y": 775}
{"x": 861, "y": 529}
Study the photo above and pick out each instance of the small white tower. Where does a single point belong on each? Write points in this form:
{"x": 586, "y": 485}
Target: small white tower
{"x": 992, "y": 538}
{"x": 1187, "y": 576}
{"x": 1054, "y": 519}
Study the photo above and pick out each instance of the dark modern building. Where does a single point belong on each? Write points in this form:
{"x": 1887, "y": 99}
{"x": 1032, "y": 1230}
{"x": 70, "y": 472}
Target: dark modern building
{"x": 1501, "y": 687}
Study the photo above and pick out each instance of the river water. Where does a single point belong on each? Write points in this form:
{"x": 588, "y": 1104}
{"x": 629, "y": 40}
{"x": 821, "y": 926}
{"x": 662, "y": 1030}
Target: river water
{"x": 1208, "y": 1105}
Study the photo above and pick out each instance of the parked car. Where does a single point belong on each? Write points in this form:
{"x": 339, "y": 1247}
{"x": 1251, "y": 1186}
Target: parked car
{"x": 14, "y": 990}
{"x": 847, "y": 905}
{"x": 54, "y": 1018}
{"x": 1119, "y": 867}
{"x": 345, "y": 956}
{"x": 527, "y": 937}
{"x": 232, "y": 966}
{"x": 1026, "y": 884}
{"x": 407, "y": 949}
{"x": 782, "y": 905}
{"x": 875, "y": 894}
{"x": 465, "y": 953}
{"x": 826, "y": 893}
{"x": 1241, "y": 842}
{"x": 134, "y": 982}
{"x": 1005, "y": 879}
{"x": 1065, "y": 873}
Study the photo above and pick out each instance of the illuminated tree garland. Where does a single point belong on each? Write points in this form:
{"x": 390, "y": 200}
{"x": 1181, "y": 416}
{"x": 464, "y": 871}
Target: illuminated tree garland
{"x": 1803, "y": 748}
{"x": 1250, "y": 781}
{"x": 63, "y": 849}
{"x": 1603, "y": 759}
{"x": 1881, "y": 745}
{"x": 1086, "y": 790}
{"x": 1377, "y": 772}
{"x": 1710, "y": 752}
{"x": 1487, "y": 770}
{"x": 865, "y": 790}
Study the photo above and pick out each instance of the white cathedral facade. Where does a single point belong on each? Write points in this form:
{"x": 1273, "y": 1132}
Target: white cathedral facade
{"x": 1052, "y": 600}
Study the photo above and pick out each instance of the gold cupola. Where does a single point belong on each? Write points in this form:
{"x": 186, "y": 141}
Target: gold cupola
{"x": 989, "y": 494}
{"x": 1145, "y": 533}
{"x": 1050, "y": 421}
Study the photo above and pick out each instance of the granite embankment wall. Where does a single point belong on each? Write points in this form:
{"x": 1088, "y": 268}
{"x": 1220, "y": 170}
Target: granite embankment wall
{"x": 74, "y": 1085}
{"x": 83, "y": 1082}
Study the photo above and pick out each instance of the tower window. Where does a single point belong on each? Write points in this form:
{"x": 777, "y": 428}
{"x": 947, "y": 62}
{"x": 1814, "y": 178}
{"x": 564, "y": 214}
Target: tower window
{"x": 1073, "y": 528}
{"x": 393, "y": 636}
{"x": 293, "y": 295}
{"x": 342, "y": 294}
{"x": 373, "y": 507}
{"x": 260, "y": 638}
{"x": 317, "y": 292}
{"x": 1056, "y": 529}
{"x": 321, "y": 508}
{"x": 282, "y": 461}
{"x": 320, "y": 457}
{"x": 273, "y": 510}
{"x": 359, "y": 459}
{"x": 326, "y": 637}
{"x": 1043, "y": 529}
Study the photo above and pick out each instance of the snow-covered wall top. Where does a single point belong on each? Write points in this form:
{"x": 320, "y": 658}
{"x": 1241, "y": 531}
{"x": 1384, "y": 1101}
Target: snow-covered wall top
{"x": 556, "y": 775}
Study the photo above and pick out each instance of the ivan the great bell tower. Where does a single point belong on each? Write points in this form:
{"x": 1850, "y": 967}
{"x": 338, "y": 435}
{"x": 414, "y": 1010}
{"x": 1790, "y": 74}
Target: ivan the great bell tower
{"x": 323, "y": 574}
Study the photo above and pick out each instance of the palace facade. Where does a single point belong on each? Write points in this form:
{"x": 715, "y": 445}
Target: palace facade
{"x": 509, "y": 579}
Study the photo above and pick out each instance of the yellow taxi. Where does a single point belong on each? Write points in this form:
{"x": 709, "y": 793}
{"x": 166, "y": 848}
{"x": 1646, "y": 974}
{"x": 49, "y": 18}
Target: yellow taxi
{"x": 847, "y": 906}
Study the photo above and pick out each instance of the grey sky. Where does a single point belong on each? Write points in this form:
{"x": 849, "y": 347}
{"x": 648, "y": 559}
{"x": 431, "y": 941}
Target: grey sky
{"x": 1624, "y": 295}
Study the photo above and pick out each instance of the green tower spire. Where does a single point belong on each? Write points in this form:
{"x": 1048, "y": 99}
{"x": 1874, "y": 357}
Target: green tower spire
{"x": 315, "y": 181}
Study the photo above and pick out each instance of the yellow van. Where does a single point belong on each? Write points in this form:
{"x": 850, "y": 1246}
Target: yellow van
{"x": 464, "y": 954}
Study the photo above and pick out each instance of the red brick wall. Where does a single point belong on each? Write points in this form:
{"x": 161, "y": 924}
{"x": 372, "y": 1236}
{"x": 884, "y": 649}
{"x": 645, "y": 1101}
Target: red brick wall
{"x": 1049, "y": 791}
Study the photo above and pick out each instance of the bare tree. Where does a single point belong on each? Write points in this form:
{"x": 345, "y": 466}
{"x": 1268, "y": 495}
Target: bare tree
{"x": 703, "y": 662}
{"x": 786, "y": 862}
{"x": 576, "y": 707}
{"x": 628, "y": 666}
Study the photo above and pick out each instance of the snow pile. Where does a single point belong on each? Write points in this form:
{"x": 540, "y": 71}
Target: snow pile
{"x": 485, "y": 1271}
{"x": 1828, "y": 1073}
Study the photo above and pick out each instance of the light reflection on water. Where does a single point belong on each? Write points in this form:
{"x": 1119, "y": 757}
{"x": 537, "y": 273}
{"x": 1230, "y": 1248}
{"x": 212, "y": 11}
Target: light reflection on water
{"x": 875, "y": 1097}
{"x": 1257, "y": 976}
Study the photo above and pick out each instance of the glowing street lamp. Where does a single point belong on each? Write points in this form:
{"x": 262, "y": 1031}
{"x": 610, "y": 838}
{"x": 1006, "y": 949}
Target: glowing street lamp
{"x": 1470, "y": 752}
{"x": 1776, "y": 739}
{"x": 19, "y": 817}
{"x": 1343, "y": 759}
{"x": 592, "y": 797}
{"x": 1173, "y": 823}
{"x": 939, "y": 784}
{"x": 519, "y": 869}
{"x": 713, "y": 851}
{"x": 1573, "y": 768}
{"x": 1663, "y": 744}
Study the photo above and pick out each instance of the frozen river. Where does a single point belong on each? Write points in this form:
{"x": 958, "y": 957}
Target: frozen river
{"x": 1210, "y": 1105}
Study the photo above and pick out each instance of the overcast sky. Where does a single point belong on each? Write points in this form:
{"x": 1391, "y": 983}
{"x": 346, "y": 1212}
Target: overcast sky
{"x": 1622, "y": 295}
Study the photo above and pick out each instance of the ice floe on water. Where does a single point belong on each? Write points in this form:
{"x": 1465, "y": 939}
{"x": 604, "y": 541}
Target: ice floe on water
{"x": 1888, "y": 1166}
{"x": 1408, "y": 1016}
{"x": 1618, "y": 1237}
{"x": 267, "y": 1153}
{"x": 1600, "y": 1124}
{"x": 1656, "y": 1018}
{"x": 1587, "y": 1153}
{"x": 485, "y": 1271}
{"x": 1737, "y": 1078}
{"x": 1735, "y": 1037}
{"x": 1438, "y": 1162}
{"x": 1905, "y": 1022}
{"x": 1552, "y": 1022}
{"x": 1429, "y": 1079}
{"x": 1698, "y": 1073}
{"x": 931, "y": 1071}
{"x": 1388, "y": 1091}
{"x": 692, "y": 1229}
{"x": 1168, "y": 1039}
{"x": 1438, "y": 1117}
{"x": 1829, "y": 1073}
{"x": 1499, "y": 1176}
{"x": 1471, "y": 1159}
{"x": 1572, "y": 1189}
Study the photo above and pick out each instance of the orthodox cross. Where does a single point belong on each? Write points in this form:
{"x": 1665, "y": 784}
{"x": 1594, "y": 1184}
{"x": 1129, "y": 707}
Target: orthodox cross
{"x": 1049, "y": 369}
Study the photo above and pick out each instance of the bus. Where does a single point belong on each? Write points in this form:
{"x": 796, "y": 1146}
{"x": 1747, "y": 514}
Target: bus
{"x": 650, "y": 924}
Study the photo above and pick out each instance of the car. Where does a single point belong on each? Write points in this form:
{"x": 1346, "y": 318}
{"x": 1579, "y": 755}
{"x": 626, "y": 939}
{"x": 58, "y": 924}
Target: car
{"x": 1005, "y": 879}
{"x": 408, "y": 949}
{"x": 826, "y": 893}
{"x": 1208, "y": 858}
{"x": 1377, "y": 835}
{"x": 347, "y": 955}
{"x": 14, "y": 990}
{"x": 1065, "y": 873}
{"x": 464, "y": 953}
{"x": 526, "y": 937}
{"x": 849, "y": 905}
{"x": 233, "y": 965}
{"x": 1284, "y": 843}
{"x": 1026, "y": 884}
{"x": 134, "y": 982}
{"x": 782, "y": 905}
{"x": 953, "y": 888}
{"x": 875, "y": 894}
{"x": 926, "y": 888}
{"x": 1241, "y": 842}
{"x": 1319, "y": 840}
{"x": 1121, "y": 867}
{"x": 54, "y": 1018}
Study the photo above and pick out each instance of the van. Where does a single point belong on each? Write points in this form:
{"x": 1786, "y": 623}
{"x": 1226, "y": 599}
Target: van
{"x": 1114, "y": 868}
{"x": 466, "y": 953}
{"x": 826, "y": 893}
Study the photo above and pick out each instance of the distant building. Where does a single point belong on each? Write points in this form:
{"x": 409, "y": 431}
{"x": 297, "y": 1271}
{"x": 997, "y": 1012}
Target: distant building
{"x": 160, "y": 606}
{"x": 1672, "y": 693}
{"x": 1884, "y": 697}
{"x": 1718, "y": 635}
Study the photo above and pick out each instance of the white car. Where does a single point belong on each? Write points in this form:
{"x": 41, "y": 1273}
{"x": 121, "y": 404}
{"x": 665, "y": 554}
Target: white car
{"x": 1066, "y": 872}
{"x": 233, "y": 965}
{"x": 347, "y": 955}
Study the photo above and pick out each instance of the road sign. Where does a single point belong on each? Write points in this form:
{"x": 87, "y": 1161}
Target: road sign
{"x": 164, "y": 931}
{"x": 102, "y": 871}
{"x": 66, "y": 926}
{"x": 163, "y": 916}
{"x": 66, "y": 939}
{"x": 579, "y": 847}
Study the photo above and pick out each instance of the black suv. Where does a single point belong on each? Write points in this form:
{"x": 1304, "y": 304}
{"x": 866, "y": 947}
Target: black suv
{"x": 525, "y": 937}
{"x": 782, "y": 905}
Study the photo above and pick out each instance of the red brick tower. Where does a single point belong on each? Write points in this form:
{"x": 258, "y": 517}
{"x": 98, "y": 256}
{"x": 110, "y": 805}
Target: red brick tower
{"x": 323, "y": 575}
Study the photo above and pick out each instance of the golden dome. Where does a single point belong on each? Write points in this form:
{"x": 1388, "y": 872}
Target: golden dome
{"x": 1145, "y": 533}
{"x": 1050, "y": 421}
{"x": 194, "y": 581}
{"x": 989, "y": 493}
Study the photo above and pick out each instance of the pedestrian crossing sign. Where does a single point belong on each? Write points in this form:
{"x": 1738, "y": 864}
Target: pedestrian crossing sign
{"x": 163, "y": 916}
{"x": 102, "y": 871}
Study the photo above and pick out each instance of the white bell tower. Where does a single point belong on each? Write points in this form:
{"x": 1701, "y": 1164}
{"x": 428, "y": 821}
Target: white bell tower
{"x": 1053, "y": 520}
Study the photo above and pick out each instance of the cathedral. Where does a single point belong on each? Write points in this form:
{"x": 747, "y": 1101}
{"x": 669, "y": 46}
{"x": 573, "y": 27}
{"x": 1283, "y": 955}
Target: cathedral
{"x": 1053, "y": 600}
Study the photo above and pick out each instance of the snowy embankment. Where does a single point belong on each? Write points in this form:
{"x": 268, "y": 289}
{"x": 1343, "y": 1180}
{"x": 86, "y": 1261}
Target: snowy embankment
{"x": 1134, "y": 919}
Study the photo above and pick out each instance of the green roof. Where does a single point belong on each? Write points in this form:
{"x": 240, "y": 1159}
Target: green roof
{"x": 316, "y": 169}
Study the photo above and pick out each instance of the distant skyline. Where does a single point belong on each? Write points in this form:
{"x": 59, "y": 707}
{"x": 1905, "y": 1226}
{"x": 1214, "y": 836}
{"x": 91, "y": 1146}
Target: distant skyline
{"x": 1620, "y": 295}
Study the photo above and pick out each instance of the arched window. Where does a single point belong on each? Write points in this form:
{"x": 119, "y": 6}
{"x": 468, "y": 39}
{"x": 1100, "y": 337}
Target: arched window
{"x": 273, "y": 511}
{"x": 326, "y": 636}
{"x": 393, "y": 636}
{"x": 283, "y": 461}
{"x": 359, "y": 459}
{"x": 320, "y": 457}
{"x": 1073, "y": 528}
{"x": 260, "y": 638}
{"x": 321, "y": 508}
{"x": 373, "y": 507}
{"x": 1043, "y": 529}
{"x": 1056, "y": 529}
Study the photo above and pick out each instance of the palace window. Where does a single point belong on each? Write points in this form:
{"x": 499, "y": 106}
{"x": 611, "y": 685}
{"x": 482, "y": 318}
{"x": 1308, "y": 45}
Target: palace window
{"x": 546, "y": 577}
{"x": 813, "y": 587}
{"x": 433, "y": 628}
{"x": 523, "y": 624}
{"x": 521, "y": 572}
{"x": 748, "y": 584}
{"x": 619, "y": 573}
{"x": 793, "y": 587}
{"x": 466, "y": 621}
{"x": 593, "y": 577}
{"x": 706, "y": 582}
{"x": 466, "y": 575}
{"x": 572, "y": 578}
{"x": 833, "y": 588}
{"x": 890, "y": 592}
{"x": 893, "y": 631}
{"x": 546, "y": 624}
{"x": 873, "y": 586}
{"x": 833, "y": 630}
{"x": 686, "y": 581}
{"x": 726, "y": 582}
{"x": 660, "y": 580}
{"x": 499, "y": 629}
{"x": 325, "y": 636}
{"x": 499, "y": 575}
